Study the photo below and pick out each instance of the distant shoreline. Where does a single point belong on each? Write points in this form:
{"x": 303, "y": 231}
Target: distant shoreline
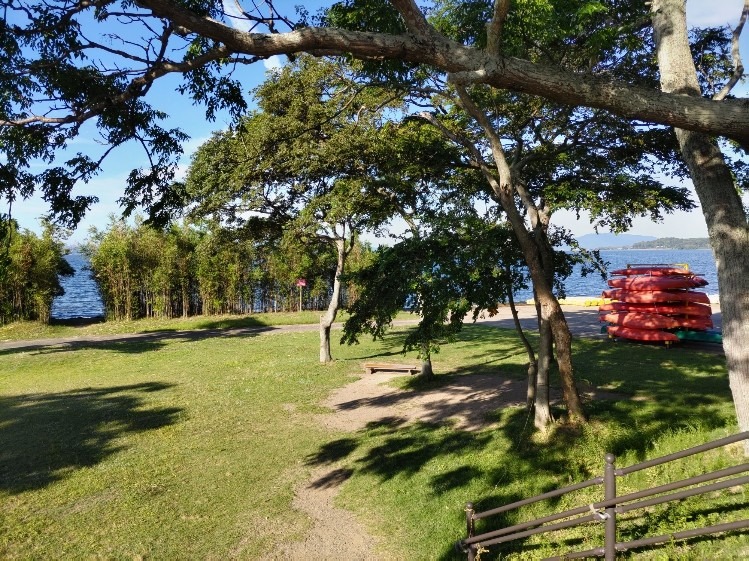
{"x": 662, "y": 248}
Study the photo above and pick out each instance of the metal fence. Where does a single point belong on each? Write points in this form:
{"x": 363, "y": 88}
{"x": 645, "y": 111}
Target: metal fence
{"x": 606, "y": 511}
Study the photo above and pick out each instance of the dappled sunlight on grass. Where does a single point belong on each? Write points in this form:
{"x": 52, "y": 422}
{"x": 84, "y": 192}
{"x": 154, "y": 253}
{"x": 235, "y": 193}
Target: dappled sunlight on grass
{"x": 185, "y": 446}
{"x": 668, "y": 399}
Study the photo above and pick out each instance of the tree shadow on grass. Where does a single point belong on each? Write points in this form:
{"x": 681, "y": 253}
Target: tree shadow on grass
{"x": 132, "y": 347}
{"x": 662, "y": 391}
{"x": 130, "y": 343}
{"x": 45, "y": 437}
{"x": 489, "y": 346}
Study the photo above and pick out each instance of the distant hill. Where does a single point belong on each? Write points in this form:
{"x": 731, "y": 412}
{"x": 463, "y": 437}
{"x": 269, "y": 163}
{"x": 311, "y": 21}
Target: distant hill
{"x": 674, "y": 243}
{"x": 612, "y": 241}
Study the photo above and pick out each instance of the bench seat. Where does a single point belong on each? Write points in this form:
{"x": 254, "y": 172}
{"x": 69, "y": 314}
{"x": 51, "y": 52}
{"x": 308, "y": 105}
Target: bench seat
{"x": 370, "y": 367}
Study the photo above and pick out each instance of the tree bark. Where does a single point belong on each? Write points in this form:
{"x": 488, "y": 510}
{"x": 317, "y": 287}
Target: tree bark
{"x": 722, "y": 207}
{"x": 327, "y": 319}
{"x": 551, "y": 311}
{"x": 542, "y": 413}
{"x": 540, "y": 229}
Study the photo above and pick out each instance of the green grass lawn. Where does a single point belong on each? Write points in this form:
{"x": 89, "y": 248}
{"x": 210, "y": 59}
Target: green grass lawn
{"x": 28, "y": 330}
{"x": 188, "y": 448}
{"x": 25, "y": 330}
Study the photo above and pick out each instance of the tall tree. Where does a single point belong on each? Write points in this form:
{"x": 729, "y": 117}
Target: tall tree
{"x": 536, "y": 156}
{"x": 545, "y": 157}
{"x": 59, "y": 78}
{"x": 301, "y": 161}
{"x": 716, "y": 187}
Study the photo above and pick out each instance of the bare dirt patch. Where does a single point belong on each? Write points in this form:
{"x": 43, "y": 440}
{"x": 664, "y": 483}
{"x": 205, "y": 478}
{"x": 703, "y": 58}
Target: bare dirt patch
{"x": 467, "y": 401}
{"x": 336, "y": 533}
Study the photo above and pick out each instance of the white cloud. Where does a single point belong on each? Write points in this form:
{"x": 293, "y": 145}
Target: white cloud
{"x": 236, "y": 19}
{"x": 273, "y": 63}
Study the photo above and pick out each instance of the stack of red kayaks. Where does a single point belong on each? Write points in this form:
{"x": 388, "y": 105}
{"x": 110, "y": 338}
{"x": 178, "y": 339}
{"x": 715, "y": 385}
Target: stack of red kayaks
{"x": 651, "y": 300}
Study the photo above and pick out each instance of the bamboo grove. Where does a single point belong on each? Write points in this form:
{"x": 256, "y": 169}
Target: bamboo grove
{"x": 185, "y": 270}
{"x": 30, "y": 270}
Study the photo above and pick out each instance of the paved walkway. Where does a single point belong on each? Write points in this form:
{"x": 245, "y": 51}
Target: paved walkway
{"x": 583, "y": 322}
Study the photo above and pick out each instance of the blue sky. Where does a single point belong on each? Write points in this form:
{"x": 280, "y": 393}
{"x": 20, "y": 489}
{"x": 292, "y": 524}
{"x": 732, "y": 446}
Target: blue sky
{"x": 108, "y": 185}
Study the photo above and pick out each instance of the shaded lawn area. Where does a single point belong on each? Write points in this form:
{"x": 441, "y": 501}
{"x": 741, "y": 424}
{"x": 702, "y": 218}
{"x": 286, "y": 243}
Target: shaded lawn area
{"x": 188, "y": 448}
{"x": 29, "y": 330}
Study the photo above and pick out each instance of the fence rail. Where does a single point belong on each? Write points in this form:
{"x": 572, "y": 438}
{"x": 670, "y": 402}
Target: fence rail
{"x": 606, "y": 511}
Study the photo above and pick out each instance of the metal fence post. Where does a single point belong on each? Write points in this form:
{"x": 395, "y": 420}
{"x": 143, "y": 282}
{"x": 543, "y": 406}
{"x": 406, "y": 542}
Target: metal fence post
{"x": 609, "y": 490}
{"x": 470, "y": 530}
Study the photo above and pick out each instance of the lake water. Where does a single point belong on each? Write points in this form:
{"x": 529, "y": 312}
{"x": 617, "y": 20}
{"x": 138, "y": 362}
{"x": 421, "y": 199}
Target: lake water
{"x": 700, "y": 262}
{"x": 82, "y": 298}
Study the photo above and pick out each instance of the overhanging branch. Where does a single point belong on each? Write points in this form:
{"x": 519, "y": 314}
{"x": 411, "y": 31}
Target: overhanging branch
{"x": 738, "y": 66}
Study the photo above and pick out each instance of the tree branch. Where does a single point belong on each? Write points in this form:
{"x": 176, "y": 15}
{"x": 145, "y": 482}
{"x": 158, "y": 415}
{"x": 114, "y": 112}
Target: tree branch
{"x": 729, "y": 118}
{"x": 738, "y": 66}
{"x": 494, "y": 27}
{"x": 413, "y": 17}
{"x": 136, "y": 88}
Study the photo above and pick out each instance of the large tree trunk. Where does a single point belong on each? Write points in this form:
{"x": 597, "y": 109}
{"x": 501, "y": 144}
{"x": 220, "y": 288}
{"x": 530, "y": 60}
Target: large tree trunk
{"x": 721, "y": 205}
{"x": 326, "y": 320}
{"x": 540, "y": 226}
{"x": 551, "y": 311}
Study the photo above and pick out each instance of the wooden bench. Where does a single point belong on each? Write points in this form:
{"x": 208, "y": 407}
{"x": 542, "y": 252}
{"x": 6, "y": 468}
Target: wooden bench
{"x": 371, "y": 367}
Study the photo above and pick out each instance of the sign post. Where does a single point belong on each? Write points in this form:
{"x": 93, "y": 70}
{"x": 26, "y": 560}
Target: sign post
{"x": 301, "y": 283}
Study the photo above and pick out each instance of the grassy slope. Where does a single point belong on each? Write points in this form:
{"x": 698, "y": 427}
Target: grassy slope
{"x": 191, "y": 449}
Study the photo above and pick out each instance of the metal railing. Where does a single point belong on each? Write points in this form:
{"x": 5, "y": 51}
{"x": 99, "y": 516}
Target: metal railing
{"x": 606, "y": 511}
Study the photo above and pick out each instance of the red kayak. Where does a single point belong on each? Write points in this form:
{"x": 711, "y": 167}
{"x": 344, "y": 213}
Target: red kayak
{"x": 675, "y": 309}
{"x": 656, "y": 296}
{"x": 696, "y": 323}
{"x": 641, "y": 334}
{"x": 655, "y": 270}
{"x": 657, "y": 283}
{"x": 640, "y": 320}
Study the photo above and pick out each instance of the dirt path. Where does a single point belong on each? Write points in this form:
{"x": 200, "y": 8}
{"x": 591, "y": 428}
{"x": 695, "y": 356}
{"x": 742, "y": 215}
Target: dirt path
{"x": 583, "y": 322}
{"x": 467, "y": 401}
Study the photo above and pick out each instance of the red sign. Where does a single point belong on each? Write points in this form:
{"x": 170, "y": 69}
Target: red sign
{"x": 301, "y": 282}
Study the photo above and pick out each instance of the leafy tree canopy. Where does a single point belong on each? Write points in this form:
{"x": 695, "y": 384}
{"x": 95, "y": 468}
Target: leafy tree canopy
{"x": 65, "y": 64}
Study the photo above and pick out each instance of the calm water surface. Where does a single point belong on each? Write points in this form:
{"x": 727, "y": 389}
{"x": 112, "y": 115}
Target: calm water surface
{"x": 700, "y": 262}
{"x": 81, "y": 298}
